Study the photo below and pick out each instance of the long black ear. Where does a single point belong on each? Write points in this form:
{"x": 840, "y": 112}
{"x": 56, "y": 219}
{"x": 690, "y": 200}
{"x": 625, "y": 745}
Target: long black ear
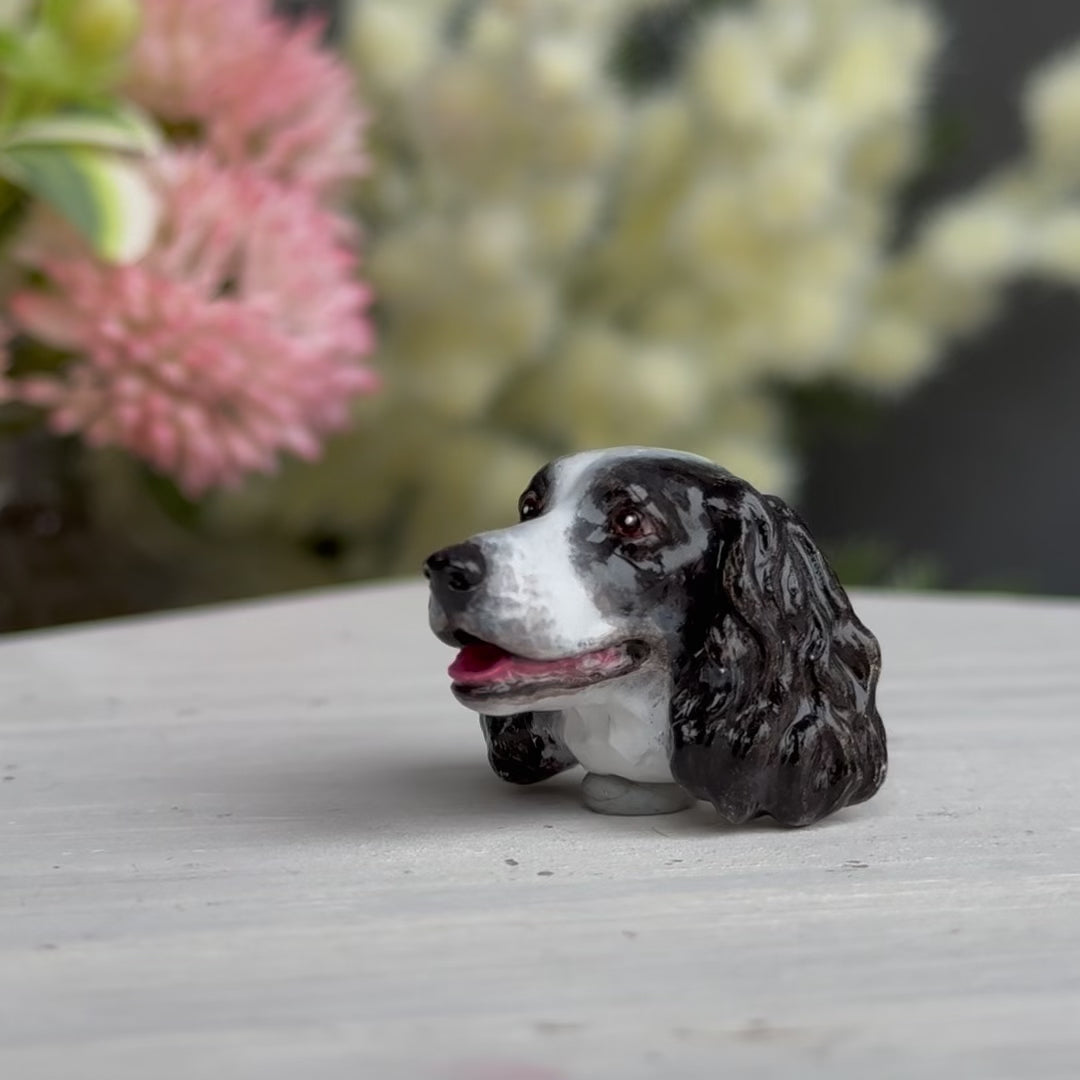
{"x": 526, "y": 747}
{"x": 775, "y": 712}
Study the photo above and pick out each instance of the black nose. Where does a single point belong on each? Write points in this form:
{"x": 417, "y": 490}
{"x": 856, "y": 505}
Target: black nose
{"x": 455, "y": 573}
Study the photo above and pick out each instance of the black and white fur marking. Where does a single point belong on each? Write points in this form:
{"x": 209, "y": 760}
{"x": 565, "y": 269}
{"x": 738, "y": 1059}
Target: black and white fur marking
{"x": 735, "y": 665}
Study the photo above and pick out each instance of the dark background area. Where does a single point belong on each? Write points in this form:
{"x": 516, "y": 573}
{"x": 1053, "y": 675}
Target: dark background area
{"x": 975, "y": 471}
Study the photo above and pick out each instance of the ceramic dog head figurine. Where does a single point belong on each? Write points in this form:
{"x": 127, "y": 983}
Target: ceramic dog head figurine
{"x": 659, "y": 621}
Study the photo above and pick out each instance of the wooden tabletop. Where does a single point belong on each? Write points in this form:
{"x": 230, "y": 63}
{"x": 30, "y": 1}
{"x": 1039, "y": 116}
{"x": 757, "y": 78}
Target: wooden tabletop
{"x": 263, "y": 841}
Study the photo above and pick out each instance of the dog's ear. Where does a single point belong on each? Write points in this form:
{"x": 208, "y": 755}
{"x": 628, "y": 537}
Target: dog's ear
{"x": 526, "y": 747}
{"x": 775, "y": 711}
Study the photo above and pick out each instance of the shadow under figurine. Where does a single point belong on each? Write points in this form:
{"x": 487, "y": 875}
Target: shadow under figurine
{"x": 662, "y": 623}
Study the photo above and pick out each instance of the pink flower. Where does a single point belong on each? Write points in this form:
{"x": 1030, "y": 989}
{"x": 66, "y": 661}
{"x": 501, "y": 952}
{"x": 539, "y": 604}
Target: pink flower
{"x": 238, "y": 337}
{"x": 257, "y": 90}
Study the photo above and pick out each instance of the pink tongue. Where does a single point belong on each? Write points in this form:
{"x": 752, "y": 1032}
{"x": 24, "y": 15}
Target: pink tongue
{"x": 480, "y": 664}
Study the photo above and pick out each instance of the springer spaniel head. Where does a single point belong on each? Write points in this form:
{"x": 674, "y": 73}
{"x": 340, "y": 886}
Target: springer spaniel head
{"x": 655, "y": 617}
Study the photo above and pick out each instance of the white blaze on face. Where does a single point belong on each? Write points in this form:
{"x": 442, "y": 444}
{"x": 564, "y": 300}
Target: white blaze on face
{"x": 543, "y": 608}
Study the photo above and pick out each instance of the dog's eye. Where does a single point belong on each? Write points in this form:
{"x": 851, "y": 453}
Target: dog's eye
{"x": 630, "y": 524}
{"x": 529, "y": 505}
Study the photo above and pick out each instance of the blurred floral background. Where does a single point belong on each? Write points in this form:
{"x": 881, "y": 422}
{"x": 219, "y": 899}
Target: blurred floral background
{"x": 293, "y": 294}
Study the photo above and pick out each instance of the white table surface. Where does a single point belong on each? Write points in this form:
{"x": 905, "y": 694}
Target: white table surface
{"x": 263, "y": 841}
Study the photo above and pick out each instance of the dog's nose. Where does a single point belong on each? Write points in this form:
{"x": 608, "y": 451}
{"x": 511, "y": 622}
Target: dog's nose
{"x": 455, "y": 572}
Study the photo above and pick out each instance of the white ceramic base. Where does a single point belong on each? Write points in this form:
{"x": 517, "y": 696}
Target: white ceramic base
{"x": 628, "y": 798}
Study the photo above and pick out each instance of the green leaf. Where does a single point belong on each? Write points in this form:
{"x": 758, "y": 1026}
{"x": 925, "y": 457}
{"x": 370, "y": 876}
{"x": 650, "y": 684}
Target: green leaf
{"x": 94, "y": 29}
{"x": 103, "y": 194}
{"x": 35, "y": 58}
{"x": 120, "y": 128}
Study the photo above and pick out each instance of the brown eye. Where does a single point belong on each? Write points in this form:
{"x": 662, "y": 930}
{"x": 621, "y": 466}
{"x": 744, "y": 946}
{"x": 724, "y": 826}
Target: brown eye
{"x": 629, "y": 524}
{"x": 529, "y": 505}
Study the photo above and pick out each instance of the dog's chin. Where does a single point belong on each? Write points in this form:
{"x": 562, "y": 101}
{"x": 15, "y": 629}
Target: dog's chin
{"x": 488, "y": 678}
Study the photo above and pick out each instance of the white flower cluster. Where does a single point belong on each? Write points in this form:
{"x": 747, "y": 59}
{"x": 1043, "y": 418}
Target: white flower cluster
{"x": 1021, "y": 221}
{"x": 565, "y": 258}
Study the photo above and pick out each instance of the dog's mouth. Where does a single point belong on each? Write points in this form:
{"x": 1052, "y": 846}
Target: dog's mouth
{"x": 483, "y": 670}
